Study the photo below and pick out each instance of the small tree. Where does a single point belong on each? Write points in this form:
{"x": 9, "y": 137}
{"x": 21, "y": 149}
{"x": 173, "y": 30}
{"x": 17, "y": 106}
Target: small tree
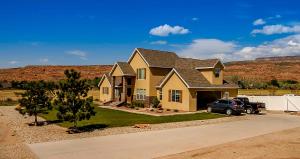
{"x": 35, "y": 99}
{"x": 155, "y": 102}
{"x": 73, "y": 104}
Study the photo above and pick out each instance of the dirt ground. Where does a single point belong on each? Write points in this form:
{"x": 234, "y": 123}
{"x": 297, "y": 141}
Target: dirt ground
{"x": 11, "y": 146}
{"x": 279, "y": 145}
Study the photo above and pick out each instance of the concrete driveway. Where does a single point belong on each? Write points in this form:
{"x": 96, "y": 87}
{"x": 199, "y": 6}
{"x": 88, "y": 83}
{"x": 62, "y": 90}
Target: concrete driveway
{"x": 153, "y": 144}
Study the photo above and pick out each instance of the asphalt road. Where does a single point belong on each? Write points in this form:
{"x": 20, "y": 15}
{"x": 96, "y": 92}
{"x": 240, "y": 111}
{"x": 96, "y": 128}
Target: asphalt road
{"x": 153, "y": 144}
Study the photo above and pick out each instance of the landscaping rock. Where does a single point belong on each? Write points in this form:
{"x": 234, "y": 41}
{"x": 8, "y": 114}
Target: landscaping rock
{"x": 142, "y": 126}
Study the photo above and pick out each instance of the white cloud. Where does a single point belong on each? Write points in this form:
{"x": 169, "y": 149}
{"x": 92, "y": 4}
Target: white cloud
{"x": 44, "y": 60}
{"x": 259, "y": 22}
{"x": 275, "y": 17}
{"x": 287, "y": 46}
{"x": 231, "y": 51}
{"x": 159, "y": 42}
{"x": 13, "y": 62}
{"x": 81, "y": 54}
{"x": 277, "y": 29}
{"x": 195, "y": 19}
{"x": 208, "y": 48}
{"x": 166, "y": 30}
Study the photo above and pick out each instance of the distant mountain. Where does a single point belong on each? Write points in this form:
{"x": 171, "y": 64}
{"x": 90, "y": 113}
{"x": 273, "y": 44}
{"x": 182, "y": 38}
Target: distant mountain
{"x": 260, "y": 69}
{"x": 265, "y": 69}
{"x": 51, "y": 73}
{"x": 278, "y": 58}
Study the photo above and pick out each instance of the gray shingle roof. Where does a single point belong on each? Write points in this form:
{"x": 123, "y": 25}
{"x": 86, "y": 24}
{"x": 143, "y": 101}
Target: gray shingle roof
{"x": 126, "y": 68}
{"x": 157, "y": 58}
{"x": 165, "y": 59}
{"x": 194, "y": 79}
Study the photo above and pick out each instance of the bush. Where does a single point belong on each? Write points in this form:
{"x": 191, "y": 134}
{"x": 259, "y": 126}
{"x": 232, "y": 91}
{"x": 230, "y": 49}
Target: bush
{"x": 137, "y": 104}
{"x": 168, "y": 109}
{"x": 176, "y": 110}
{"x": 155, "y": 102}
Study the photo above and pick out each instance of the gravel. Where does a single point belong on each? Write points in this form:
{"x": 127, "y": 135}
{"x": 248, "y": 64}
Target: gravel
{"x": 52, "y": 132}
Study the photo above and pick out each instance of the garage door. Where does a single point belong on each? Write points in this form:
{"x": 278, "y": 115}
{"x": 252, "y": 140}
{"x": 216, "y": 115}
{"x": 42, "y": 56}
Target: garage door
{"x": 205, "y": 97}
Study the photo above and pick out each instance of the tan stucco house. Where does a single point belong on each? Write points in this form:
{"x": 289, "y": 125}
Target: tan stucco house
{"x": 179, "y": 83}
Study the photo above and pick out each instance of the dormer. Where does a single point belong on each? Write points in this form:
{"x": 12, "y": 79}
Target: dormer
{"x": 214, "y": 74}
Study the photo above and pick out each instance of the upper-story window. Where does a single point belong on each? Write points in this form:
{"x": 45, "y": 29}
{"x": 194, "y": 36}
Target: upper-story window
{"x": 141, "y": 73}
{"x": 217, "y": 72}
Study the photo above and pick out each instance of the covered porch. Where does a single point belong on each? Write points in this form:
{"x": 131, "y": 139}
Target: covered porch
{"x": 123, "y": 78}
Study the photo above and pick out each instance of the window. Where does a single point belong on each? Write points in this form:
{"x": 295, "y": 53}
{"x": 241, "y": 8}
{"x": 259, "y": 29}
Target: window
{"x": 160, "y": 94}
{"x": 105, "y": 90}
{"x": 217, "y": 72}
{"x": 175, "y": 96}
{"x": 140, "y": 94}
{"x": 141, "y": 73}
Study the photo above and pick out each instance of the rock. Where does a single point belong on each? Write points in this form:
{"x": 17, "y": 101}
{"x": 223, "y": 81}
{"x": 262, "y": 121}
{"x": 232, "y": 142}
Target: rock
{"x": 142, "y": 126}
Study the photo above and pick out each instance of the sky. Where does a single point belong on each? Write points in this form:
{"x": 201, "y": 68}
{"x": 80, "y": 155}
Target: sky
{"x": 93, "y": 32}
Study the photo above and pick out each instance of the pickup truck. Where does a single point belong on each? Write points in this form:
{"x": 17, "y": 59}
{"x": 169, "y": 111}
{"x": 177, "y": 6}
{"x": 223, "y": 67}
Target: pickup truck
{"x": 251, "y": 107}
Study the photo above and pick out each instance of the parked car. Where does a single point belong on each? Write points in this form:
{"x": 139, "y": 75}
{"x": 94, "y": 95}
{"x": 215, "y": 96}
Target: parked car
{"x": 227, "y": 106}
{"x": 251, "y": 107}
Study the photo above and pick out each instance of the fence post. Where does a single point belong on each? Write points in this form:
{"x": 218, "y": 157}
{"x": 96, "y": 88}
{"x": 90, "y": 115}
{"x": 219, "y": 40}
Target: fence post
{"x": 287, "y": 103}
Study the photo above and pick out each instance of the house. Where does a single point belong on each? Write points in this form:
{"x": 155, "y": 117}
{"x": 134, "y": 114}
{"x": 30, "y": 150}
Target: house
{"x": 179, "y": 83}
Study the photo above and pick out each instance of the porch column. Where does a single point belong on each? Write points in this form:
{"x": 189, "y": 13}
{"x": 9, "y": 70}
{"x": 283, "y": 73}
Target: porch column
{"x": 124, "y": 89}
{"x": 113, "y": 88}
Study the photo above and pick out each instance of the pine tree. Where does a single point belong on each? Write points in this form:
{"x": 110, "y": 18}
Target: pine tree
{"x": 72, "y": 102}
{"x": 35, "y": 99}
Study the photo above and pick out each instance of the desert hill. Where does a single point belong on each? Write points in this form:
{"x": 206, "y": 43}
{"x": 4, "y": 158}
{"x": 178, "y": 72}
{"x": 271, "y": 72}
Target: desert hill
{"x": 51, "y": 73}
{"x": 260, "y": 69}
{"x": 266, "y": 69}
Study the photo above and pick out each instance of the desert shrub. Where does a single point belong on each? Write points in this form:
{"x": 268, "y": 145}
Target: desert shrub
{"x": 155, "y": 102}
{"x": 175, "y": 110}
{"x": 168, "y": 109}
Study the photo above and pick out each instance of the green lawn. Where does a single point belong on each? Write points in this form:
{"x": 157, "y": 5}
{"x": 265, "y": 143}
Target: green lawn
{"x": 115, "y": 118}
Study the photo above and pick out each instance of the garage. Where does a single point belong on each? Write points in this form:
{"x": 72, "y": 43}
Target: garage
{"x": 205, "y": 97}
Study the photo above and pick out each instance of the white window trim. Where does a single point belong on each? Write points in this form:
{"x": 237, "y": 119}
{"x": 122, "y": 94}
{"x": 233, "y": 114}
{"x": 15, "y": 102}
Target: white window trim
{"x": 176, "y": 93}
{"x": 138, "y": 71}
{"x": 160, "y": 95}
{"x": 140, "y": 94}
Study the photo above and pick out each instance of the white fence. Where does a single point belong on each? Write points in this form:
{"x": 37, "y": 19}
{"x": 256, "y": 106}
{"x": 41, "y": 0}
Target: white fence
{"x": 283, "y": 103}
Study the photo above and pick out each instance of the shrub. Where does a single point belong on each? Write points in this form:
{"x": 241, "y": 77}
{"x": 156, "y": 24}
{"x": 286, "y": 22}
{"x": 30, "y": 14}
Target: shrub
{"x": 168, "y": 109}
{"x": 155, "y": 102}
{"x": 176, "y": 110}
{"x": 137, "y": 104}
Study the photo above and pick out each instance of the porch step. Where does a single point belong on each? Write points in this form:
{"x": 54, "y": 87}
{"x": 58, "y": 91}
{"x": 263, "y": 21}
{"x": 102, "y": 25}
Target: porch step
{"x": 118, "y": 103}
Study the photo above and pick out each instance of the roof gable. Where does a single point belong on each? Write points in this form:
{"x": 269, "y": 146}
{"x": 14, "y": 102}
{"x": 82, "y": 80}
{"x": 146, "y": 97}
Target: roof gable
{"x": 124, "y": 67}
{"x": 193, "y": 78}
{"x": 156, "y": 58}
{"x": 105, "y": 76}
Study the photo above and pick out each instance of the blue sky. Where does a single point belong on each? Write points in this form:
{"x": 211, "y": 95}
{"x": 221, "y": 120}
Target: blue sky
{"x": 81, "y": 32}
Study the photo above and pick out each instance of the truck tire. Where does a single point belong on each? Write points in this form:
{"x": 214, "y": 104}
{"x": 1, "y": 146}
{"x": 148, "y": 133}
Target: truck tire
{"x": 249, "y": 110}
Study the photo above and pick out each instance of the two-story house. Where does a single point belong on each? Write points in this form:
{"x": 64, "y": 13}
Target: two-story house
{"x": 179, "y": 83}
